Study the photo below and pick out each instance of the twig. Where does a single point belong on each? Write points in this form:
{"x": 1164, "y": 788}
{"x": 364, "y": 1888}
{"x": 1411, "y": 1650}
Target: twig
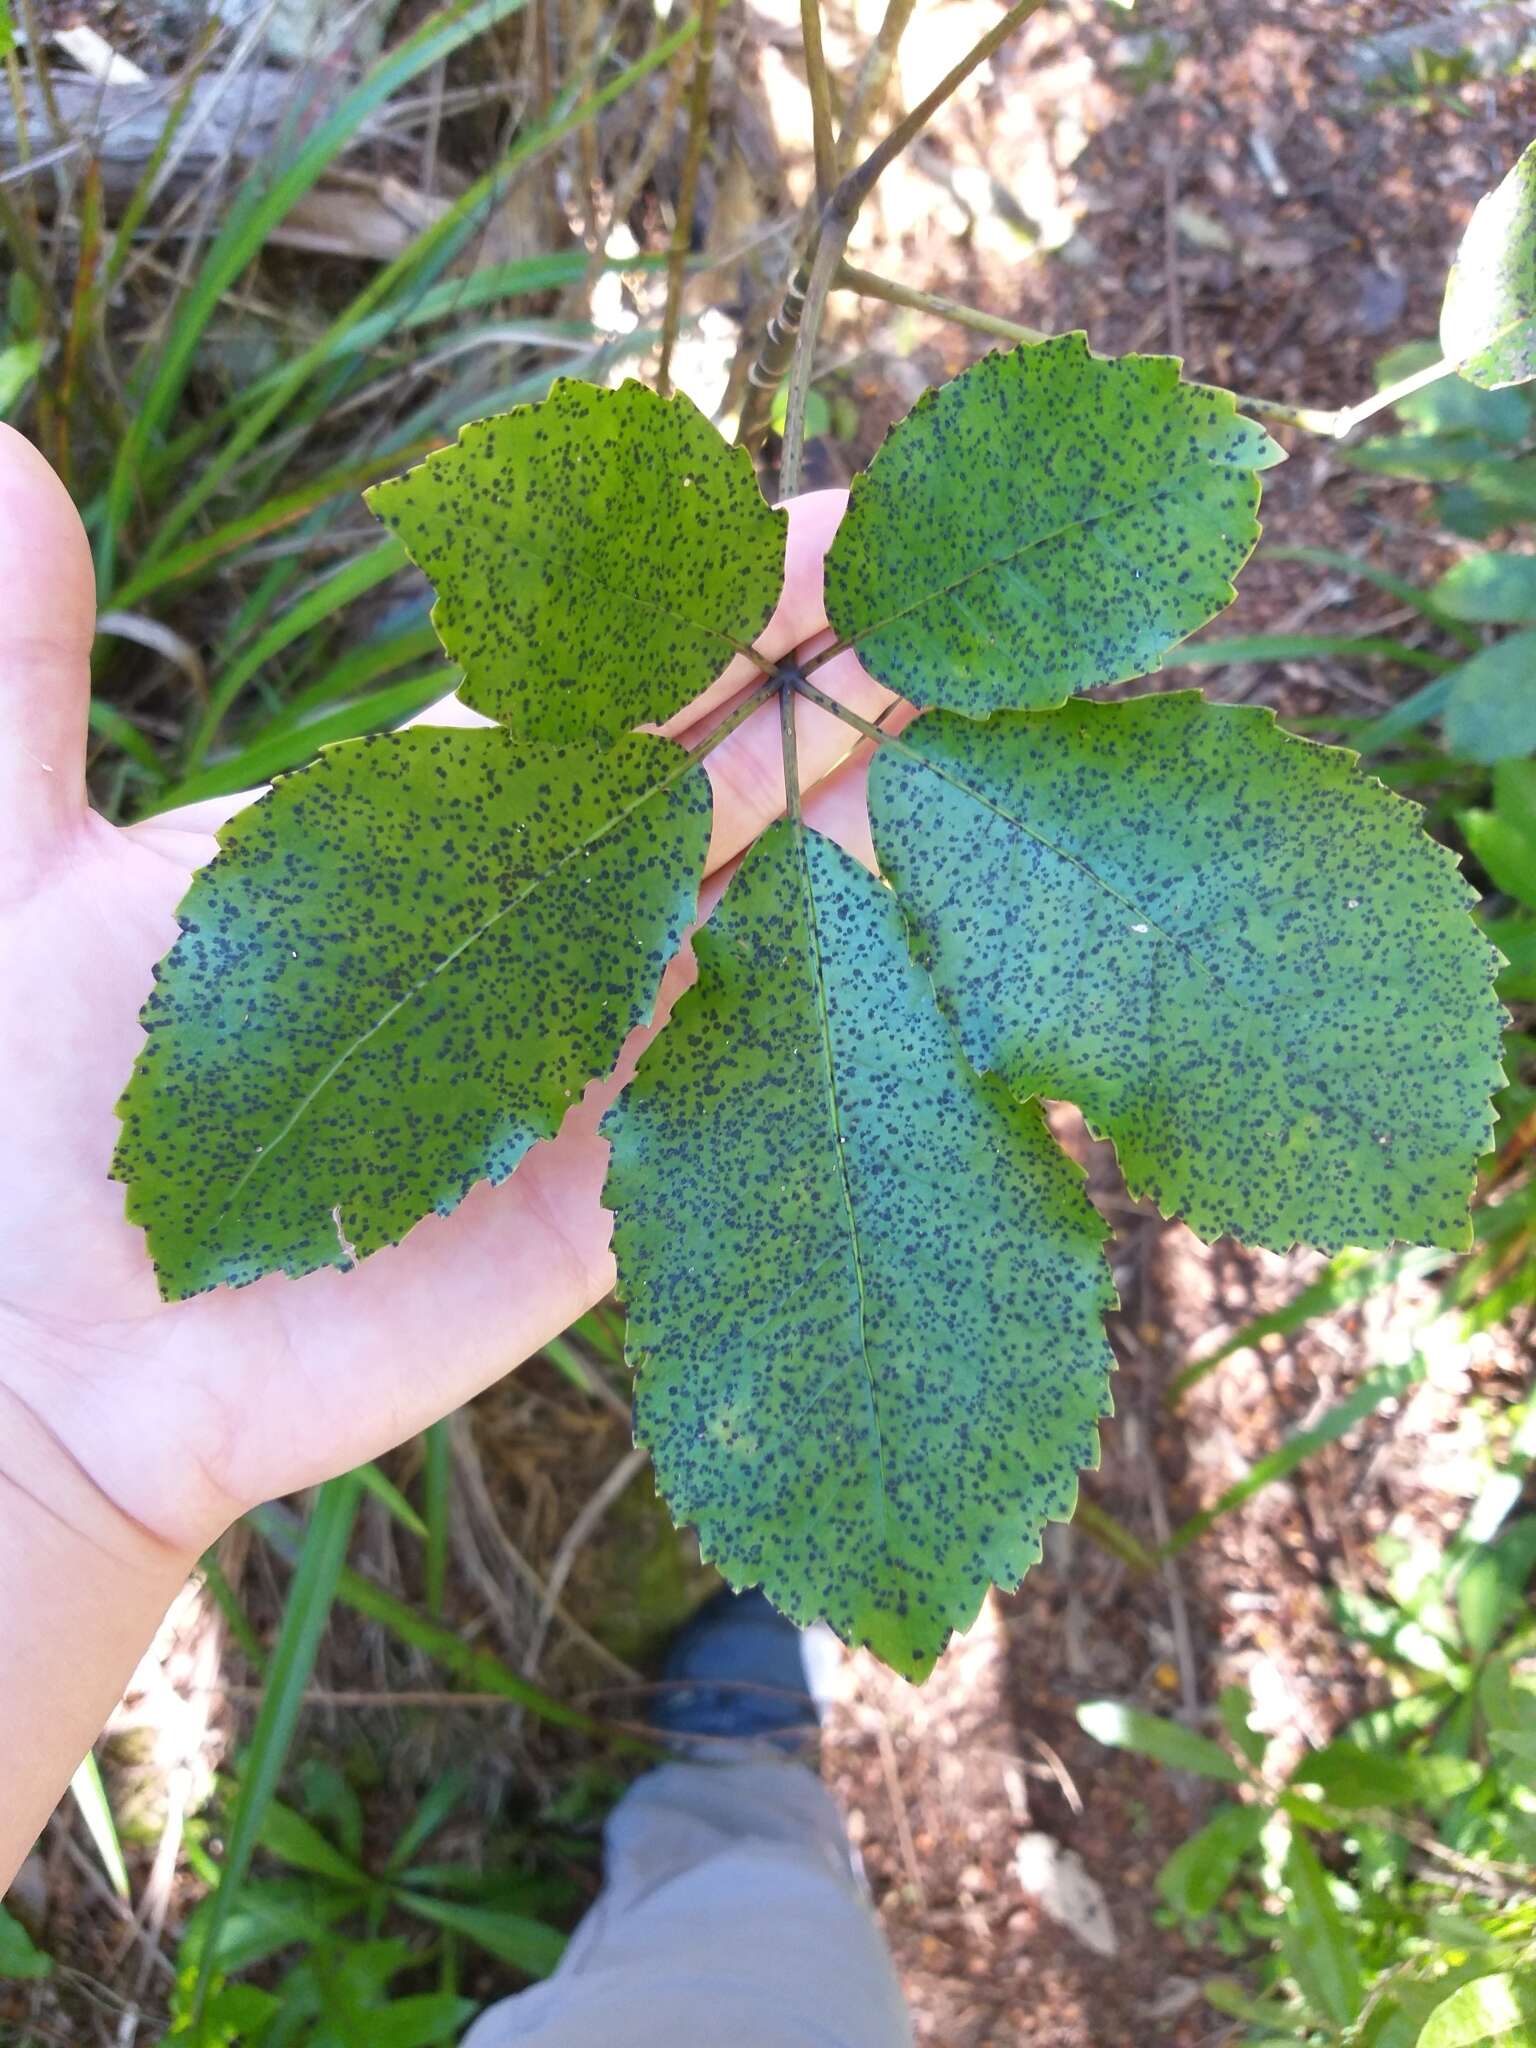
{"x": 103, "y": 1891}
{"x": 476, "y": 1517}
{"x": 687, "y": 191}
{"x": 1057, "y": 1769}
{"x": 858, "y": 185}
{"x": 379, "y": 1696}
{"x": 820, "y": 86}
{"x": 1168, "y": 1570}
{"x": 899, "y": 1811}
{"x": 831, "y": 238}
{"x": 627, "y": 192}
{"x": 632, "y": 1462}
{"x": 864, "y": 282}
{"x": 1337, "y": 425}
{"x": 874, "y": 75}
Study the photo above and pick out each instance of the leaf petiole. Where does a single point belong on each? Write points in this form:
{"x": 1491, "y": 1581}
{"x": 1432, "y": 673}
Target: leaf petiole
{"x": 790, "y": 676}
{"x": 744, "y": 710}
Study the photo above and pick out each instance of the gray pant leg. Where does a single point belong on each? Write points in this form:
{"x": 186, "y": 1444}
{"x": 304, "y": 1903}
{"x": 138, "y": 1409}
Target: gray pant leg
{"x": 730, "y": 1918}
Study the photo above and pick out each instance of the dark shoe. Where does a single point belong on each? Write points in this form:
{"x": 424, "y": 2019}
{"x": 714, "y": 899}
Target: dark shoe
{"x": 738, "y": 1671}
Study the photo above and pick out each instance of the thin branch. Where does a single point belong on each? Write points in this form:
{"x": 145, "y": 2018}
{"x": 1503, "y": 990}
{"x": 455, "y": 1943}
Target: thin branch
{"x": 829, "y": 252}
{"x": 819, "y": 263}
{"x": 1336, "y": 425}
{"x": 628, "y": 1467}
{"x": 687, "y": 193}
{"x": 874, "y": 76}
{"x": 642, "y": 165}
{"x": 868, "y": 286}
{"x": 858, "y": 185}
{"x": 820, "y": 85}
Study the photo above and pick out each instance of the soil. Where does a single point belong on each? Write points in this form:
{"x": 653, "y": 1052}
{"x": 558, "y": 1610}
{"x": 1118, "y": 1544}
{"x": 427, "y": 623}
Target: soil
{"x": 1229, "y": 181}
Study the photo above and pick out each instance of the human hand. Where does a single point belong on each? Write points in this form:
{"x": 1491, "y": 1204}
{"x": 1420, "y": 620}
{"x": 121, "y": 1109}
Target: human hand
{"x": 183, "y": 1414}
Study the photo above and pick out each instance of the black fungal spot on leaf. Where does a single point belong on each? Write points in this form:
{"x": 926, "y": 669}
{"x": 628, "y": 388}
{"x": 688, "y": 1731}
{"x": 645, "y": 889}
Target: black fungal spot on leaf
{"x": 598, "y": 558}
{"x": 393, "y": 979}
{"x": 865, "y": 1288}
{"x": 1048, "y": 520}
{"x": 1239, "y": 955}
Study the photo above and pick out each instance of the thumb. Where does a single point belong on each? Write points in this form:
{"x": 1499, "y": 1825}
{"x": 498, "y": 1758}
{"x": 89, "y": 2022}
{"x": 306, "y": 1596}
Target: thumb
{"x": 47, "y": 621}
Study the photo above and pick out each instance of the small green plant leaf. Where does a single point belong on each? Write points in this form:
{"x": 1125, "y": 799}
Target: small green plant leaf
{"x": 1048, "y": 520}
{"x": 864, "y": 1285}
{"x": 1490, "y": 705}
{"x": 1490, "y": 590}
{"x": 598, "y": 558}
{"x": 1240, "y": 957}
{"x": 1488, "y": 318}
{"x": 1234, "y": 1704}
{"x": 1314, "y": 1939}
{"x": 1197, "y": 1874}
{"x": 401, "y": 968}
{"x": 1166, "y": 1742}
{"x": 1503, "y": 840}
{"x": 1490, "y": 2012}
{"x": 19, "y": 1958}
{"x": 527, "y": 1944}
{"x": 1350, "y": 1777}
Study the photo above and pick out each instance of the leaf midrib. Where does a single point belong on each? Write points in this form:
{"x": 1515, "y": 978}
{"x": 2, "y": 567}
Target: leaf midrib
{"x": 265, "y": 1152}
{"x": 1039, "y": 540}
{"x": 1184, "y": 945}
{"x": 839, "y": 1149}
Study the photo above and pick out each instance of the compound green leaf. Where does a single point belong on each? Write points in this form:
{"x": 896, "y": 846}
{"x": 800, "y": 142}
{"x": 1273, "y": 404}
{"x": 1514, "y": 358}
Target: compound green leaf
{"x": 865, "y": 1287}
{"x": 1240, "y": 956}
{"x": 1049, "y": 520}
{"x": 598, "y": 558}
{"x": 401, "y": 967}
{"x": 1490, "y": 707}
{"x": 1488, "y": 318}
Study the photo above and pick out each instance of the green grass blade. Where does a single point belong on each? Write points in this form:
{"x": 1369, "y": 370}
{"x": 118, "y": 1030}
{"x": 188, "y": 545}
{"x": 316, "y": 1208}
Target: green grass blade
{"x": 1383, "y": 1383}
{"x": 352, "y": 673}
{"x": 388, "y": 1495}
{"x": 1299, "y": 647}
{"x": 374, "y": 313}
{"x": 119, "y": 731}
{"x": 1383, "y": 579}
{"x": 90, "y": 1795}
{"x": 332, "y": 594}
{"x": 266, "y": 758}
{"x": 250, "y": 223}
{"x": 476, "y": 1669}
{"x": 1348, "y": 1279}
{"x": 319, "y": 1554}
{"x": 236, "y": 1620}
{"x": 271, "y": 517}
{"x": 1405, "y": 717}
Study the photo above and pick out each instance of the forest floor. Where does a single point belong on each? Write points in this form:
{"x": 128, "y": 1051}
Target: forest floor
{"x": 1252, "y": 187}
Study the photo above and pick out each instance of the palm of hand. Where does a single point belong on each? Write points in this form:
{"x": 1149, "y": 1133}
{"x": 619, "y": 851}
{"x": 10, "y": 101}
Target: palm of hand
{"x": 185, "y": 1413}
